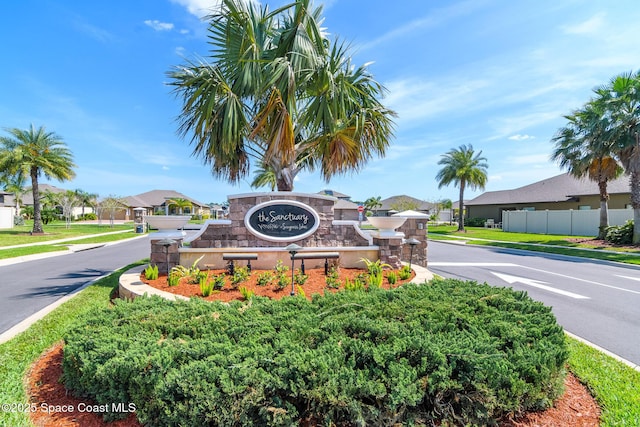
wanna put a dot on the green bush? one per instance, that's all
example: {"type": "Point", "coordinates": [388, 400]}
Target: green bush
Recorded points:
{"type": "Point", "coordinates": [89, 216]}
{"type": "Point", "coordinates": [474, 222]}
{"type": "Point", "coordinates": [620, 234]}
{"type": "Point", "coordinates": [453, 351]}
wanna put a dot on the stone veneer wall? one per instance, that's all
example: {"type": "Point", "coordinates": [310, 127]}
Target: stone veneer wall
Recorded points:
{"type": "Point", "coordinates": [415, 228]}
{"type": "Point", "coordinates": [236, 235]}
{"type": "Point", "coordinates": [165, 256]}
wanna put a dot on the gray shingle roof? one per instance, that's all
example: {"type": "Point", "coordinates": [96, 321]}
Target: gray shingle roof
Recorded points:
{"type": "Point", "coordinates": [395, 200]}
{"type": "Point", "coordinates": [157, 198]}
{"type": "Point", "coordinates": [559, 188]}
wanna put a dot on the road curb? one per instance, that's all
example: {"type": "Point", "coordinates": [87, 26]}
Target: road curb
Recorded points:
{"type": "Point", "coordinates": [605, 351]}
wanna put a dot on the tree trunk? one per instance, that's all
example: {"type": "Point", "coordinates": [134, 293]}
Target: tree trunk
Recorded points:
{"type": "Point", "coordinates": [285, 178]}
{"type": "Point", "coordinates": [461, 207]}
{"type": "Point", "coordinates": [37, 214]}
{"type": "Point", "coordinates": [604, 210]}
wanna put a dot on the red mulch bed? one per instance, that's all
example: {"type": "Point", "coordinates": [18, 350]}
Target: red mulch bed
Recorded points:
{"type": "Point", "coordinates": [575, 408]}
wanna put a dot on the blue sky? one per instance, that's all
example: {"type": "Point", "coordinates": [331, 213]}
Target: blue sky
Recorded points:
{"type": "Point", "coordinates": [497, 74]}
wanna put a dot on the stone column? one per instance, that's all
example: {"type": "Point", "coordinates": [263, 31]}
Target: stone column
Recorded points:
{"type": "Point", "coordinates": [415, 228]}
{"type": "Point", "coordinates": [165, 256]}
{"type": "Point", "coordinates": [390, 250]}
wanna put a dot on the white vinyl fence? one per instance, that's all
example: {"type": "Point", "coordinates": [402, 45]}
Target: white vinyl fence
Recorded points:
{"type": "Point", "coordinates": [568, 222]}
{"type": "Point", "coordinates": [6, 217]}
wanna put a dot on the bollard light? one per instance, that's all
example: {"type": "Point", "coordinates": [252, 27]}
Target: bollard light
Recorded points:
{"type": "Point", "coordinates": [293, 249]}
{"type": "Point", "coordinates": [165, 243]}
{"type": "Point", "coordinates": [412, 243]}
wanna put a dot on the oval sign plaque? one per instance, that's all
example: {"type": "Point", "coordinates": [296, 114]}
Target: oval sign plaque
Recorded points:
{"type": "Point", "coordinates": [282, 220]}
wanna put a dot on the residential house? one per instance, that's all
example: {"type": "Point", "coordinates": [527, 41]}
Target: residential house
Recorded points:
{"type": "Point", "coordinates": [401, 203]}
{"type": "Point", "coordinates": [561, 192]}
{"type": "Point", "coordinates": [159, 202]}
{"type": "Point", "coordinates": [27, 199]}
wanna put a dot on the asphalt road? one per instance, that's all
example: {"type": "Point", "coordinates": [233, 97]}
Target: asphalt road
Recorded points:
{"type": "Point", "coordinates": [597, 301]}
{"type": "Point", "coordinates": [27, 287]}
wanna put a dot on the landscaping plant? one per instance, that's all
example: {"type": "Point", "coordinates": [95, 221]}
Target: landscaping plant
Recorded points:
{"type": "Point", "coordinates": [264, 278]}
{"type": "Point", "coordinates": [206, 286]}
{"type": "Point", "coordinates": [151, 272]}
{"type": "Point", "coordinates": [453, 353]}
{"type": "Point", "coordinates": [240, 275]}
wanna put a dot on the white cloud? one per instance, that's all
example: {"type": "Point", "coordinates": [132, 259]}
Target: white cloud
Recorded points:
{"type": "Point", "coordinates": [95, 32]}
{"type": "Point", "coordinates": [159, 26]}
{"type": "Point", "coordinates": [519, 137]}
{"type": "Point", "coordinates": [199, 8]}
{"type": "Point", "coordinates": [416, 100]}
{"type": "Point", "coordinates": [435, 19]}
{"type": "Point", "coordinates": [591, 26]}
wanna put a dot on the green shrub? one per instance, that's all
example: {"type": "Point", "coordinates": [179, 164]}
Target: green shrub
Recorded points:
{"type": "Point", "coordinates": [173, 279]}
{"type": "Point", "coordinates": [404, 273]}
{"type": "Point", "coordinates": [218, 282]}
{"type": "Point", "coordinates": [282, 277]}
{"type": "Point", "coordinates": [333, 278]}
{"type": "Point", "coordinates": [356, 284]}
{"type": "Point", "coordinates": [264, 278]}
{"type": "Point", "coordinates": [451, 352]}
{"type": "Point", "coordinates": [89, 216]}
{"type": "Point", "coordinates": [299, 278]}
{"type": "Point", "coordinates": [246, 293]}
{"type": "Point", "coordinates": [206, 286]}
{"type": "Point", "coordinates": [474, 222]}
{"type": "Point", "coordinates": [620, 234]}
{"type": "Point", "coordinates": [240, 275]}
{"type": "Point", "coordinates": [392, 277]}
{"type": "Point", "coordinates": [151, 272]}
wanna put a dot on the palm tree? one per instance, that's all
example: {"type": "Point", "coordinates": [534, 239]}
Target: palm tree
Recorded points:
{"type": "Point", "coordinates": [373, 203]}
{"type": "Point", "coordinates": [86, 199]}
{"type": "Point", "coordinates": [281, 94]}
{"type": "Point", "coordinates": [622, 97]}
{"type": "Point", "coordinates": [264, 176]}
{"type": "Point", "coordinates": [15, 184]}
{"type": "Point", "coordinates": [464, 168]}
{"type": "Point", "coordinates": [36, 152]}
{"type": "Point", "coordinates": [448, 205]}
{"type": "Point", "coordinates": [584, 148]}
{"type": "Point", "coordinates": [179, 203]}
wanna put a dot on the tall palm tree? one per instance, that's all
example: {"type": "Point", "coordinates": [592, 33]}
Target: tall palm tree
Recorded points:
{"type": "Point", "coordinates": [584, 147]}
{"type": "Point", "coordinates": [464, 168]}
{"type": "Point", "coordinates": [622, 96]}
{"type": "Point", "coordinates": [36, 152]}
{"type": "Point", "coordinates": [281, 94]}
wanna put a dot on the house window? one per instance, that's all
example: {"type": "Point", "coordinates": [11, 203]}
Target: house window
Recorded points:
{"type": "Point", "coordinates": [1, 198]}
{"type": "Point", "coordinates": [584, 208]}
{"type": "Point", "coordinates": [529, 208]}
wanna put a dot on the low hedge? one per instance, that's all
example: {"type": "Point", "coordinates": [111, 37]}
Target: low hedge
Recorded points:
{"type": "Point", "coordinates": [454, 351]}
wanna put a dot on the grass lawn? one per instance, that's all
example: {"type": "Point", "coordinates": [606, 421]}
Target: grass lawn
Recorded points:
{"type": "Point", "coordinates": [615, 386]}
{"type": "Point", "coordinates": [555, 244]}
{"type": "Point", "coordinates": [21, 234]}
